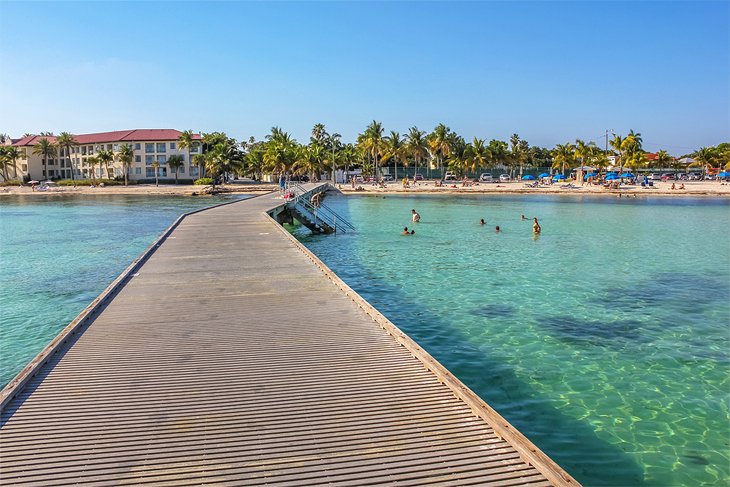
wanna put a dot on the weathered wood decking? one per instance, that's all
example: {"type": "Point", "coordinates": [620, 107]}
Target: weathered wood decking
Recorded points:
{"type": "Point", "coordinates": [230, 358]}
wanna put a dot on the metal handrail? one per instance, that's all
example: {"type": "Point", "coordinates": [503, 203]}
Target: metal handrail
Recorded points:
{"type": "Point", "coordinates": [336, 216]}
{"type": "Point", "coordinates": [322, 212]}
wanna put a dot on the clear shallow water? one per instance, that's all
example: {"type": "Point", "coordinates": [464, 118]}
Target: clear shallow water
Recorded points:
{"type": "Point", "coordinates": [58, 253]}
{"type": "Point", "coordinates": [606, 340]}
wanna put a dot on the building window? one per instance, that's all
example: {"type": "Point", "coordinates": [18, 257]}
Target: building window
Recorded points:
{"type": "Point", "coordinates": [137, 158]}
{"type": "Point", "coordinates": [148, 160]}
{"type": "Point", "coordinates": [194, 171]}
{"type": "Point", "coordinates": [149, 148]}
{"type": "Point", "coordinates": [150, 172]}
{"type": "Point", "coordinates": [182, 156]}
{"type": "Point", "coordinates": [181, 170]}
{"type": "Point", "coordinates": [116, 148]}
{"type": "Point", "coordinates": [172, 145]}
{"type": "Point", "coordinates": [137, 170]}
{"type": "Point", "coordinates": [194, 148]}
{"type": "Point", "coordinates": [161, 147]}
{"type": "Point", "coordinates": [137, 146]}
{"type": "Point", "coordinates": [83, 151]}
{"type": "Point", "coordinates": [163, 172]}
{"type": "Point", "coordinates": [162, 159]}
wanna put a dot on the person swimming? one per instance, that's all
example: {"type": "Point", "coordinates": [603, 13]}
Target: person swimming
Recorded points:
{"type": "Point", "coordinates": [482, 222]}
{"type": "Point", "coordinates": [405, 231]}
{"type": "Point", "coordinates": [536, 226]}
{"type": "Point", "coordinates": [415, 216]}
{"type": "Point", "coordinates": [522, 217]}
{"type": "Point", "coordinates": [413, 232]}
{"type": "Point", "coordinates": [496, 229]}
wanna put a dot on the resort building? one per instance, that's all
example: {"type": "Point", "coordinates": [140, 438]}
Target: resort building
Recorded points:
{"type": "Point", "coordinates": [148, 145]}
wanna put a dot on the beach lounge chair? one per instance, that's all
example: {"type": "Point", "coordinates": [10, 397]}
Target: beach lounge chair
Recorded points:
{"type": "Point", "coordinates": [533, 185]}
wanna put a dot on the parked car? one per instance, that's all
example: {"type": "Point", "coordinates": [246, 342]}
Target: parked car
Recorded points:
{"type": "Point", "coordinates": [693, 176]}
{"type": "Point", "coordinates": [683, 176]}
{"type": "Point", "coordinates": [486, 178]}
{"type": "Point", "coordinates": [668, 176]}
{"type": "Point", "coordinates": [504, 178]}
{"type": "Point", "coordinates": [655, 176]}
{"type": "Point", "coordinates": [359, 179]}
{"type": "Point", "coordinates": [418, 177]}
{"type": "Point", "coordinates": [387, 177]}
{"type": "Point", "coordinates": [450, 176]}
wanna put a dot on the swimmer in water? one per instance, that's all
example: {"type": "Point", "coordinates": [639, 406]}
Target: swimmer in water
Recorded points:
{"type": "Point", "coordinates": [482, 222]}
{"type": "Point", "coordinates": [405, 231]}
{"type": "Point", "coordinates": [536, 226]}
{"type": "Point", "coordinates": [523, 217]}
{"type": "Point", "coordinates": [497, 229]}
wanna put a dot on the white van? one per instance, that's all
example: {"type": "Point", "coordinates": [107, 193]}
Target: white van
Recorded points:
{"type": "Point", "coordinates": [486, 177]}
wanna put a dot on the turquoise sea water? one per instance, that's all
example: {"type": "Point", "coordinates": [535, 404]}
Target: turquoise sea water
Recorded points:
{"type": "Point", "coordinates": [57, 253]}
{"type": "Point", "coordinates": [606, 340]}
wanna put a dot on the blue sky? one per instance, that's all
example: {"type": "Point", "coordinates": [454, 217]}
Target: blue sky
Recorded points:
{"type": "Point", "coordinates": [549, 71]}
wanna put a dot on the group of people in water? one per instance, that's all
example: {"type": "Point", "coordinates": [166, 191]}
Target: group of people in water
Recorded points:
{"type": "Point", "coordinates": [416, 217]}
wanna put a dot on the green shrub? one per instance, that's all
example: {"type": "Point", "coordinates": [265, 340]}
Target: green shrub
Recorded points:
{"type": "Point", "coordinates": [11, 182]}
{"type": "Point", "coordinates": [203, 181]}
{"type": "Point", "coordinates": [89, 182]}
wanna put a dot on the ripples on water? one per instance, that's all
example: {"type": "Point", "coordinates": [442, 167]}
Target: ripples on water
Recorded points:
{"type": "Point", "coordinates": [59, 252]}
{"type": "Point", "coordinates": [606, 340]}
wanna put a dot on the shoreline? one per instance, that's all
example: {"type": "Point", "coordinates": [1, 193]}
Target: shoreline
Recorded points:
{"type": "Point", "coordinates": [661, 188]}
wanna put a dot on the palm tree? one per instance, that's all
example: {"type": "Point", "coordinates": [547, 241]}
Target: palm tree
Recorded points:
{"type": "Point", "coordinates": [319, 134]}
{"type": "Point", "coordinates": [373, 143]}
{"type": "Point", "coordinates": [309, 160]}
{"type": "Point", "coordinates": [498, 150]}
{"type": "Point", "coordinates": [417, 145]}
{"type": "Point", "coordinates": [663, 159]}
{"type": "Point", "coordinates": [175, 162]}
{"type": "Point", "coordinates": [156, 166]}
{"type": "Point", "coordinates": [224, 157]}
{"type": "Point", "coordinates": [441, 142]}
{"type": "Point", "coordinates": [280, 153]}
{"type": "Point", "coordinates": [4, 162]}
{"type": "Point", "coordinates": [126, 155]}
{"type": "Point", "coordinates": [706, 156]}
{"type": "Point", "coordinates": [92, 162]}
{"type": "Point", "coordinates": [584, 151]}
{"type": "Point", "coordinates": [617, 142]}
{"type": "Point", "coordinates": [11, 155]}
{"type": "Point", "coordinates": [395, 149]}
{"type": "Point", "coordinates": [479, 155]}
{"type": "Point", "coordinates": [66, 141]}
{"type": "Point", "coordinates": [105, 157]}
{"type": "Point", "coordinates": [519, 152]}
{"type": "Point", "coordinates": [186, 140]}
{"type": "Point", "coordinates": [563, 154]}
{"type": "Point", "coordinates": [46, 149]}
{"type": "Point", "coordinates": [199, 160]}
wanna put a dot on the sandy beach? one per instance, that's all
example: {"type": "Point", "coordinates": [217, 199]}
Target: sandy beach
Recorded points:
{"type": "Point", "coordinates": [663, 188]}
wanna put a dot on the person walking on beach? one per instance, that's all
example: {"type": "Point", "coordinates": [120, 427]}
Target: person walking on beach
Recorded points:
{"type": "Point", "coordinates": [536, 226]}
{"type": "Point", "coordinates": [415, 217]}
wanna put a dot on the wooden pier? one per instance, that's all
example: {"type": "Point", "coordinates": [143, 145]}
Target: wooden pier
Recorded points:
{"type": "Point", "coordinates": [228, 354]}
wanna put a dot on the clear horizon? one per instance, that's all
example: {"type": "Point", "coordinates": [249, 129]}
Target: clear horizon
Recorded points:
{"type": "Point", "coordinates": [549, 71]}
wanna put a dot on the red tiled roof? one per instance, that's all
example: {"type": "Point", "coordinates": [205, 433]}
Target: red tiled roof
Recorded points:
{"type": "Point", "coordinates": [137, 135]}
{"type": "Point", "coordinates": [650, 156]}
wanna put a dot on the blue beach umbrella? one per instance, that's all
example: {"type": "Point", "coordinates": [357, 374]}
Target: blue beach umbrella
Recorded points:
{"type": "Point", "coordinates": [611, 177]}
{"type": "Point", "coordinates": [528, 176]}
{"type": "Point", "coordinates": [611, 173]}
{"type": "Point", "coordinates": [724, 174]}
{"type": "Point", "coordinates": [558, 176]}
{"type": "Point", "coordinates": [627, 175]}
{"type": "Point", "coordinates": [591, 175]}
{"type": "Point", "coordinates": [544, 175]}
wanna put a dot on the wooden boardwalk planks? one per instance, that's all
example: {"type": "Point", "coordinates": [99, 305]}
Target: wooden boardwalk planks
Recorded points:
{"type": "Point", "coordinates": [229, 358]}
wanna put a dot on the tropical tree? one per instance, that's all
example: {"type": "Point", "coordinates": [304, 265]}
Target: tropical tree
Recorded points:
{"type": "Point", "coordinates": [373, 143]}
{"type": "Point", "coordinates": [499, 152]}
{"type": "Point", "coordinates": [309, 160]}
{"type": "Point", "coordinates": [706, 156]}
{"type": "Point", "coordinates": [4, 163]}
{"type": "Point", "coordinates": [46, 149]}
{"type": "Point", "coordinates": [10, 156]}
{"type": "Point", "coordinates": [636, 160]}
{"type": "Point", "coordinates": [440, 143]}
{"type": "Point", "coordinates": [66, 141]}
{"type": "Point", "coordinates": [105, 157]}
{"type": "Point", "coordinates": [617, 143]}
{"type": "Point", "coordinates": [126, 156]}
{"type": "Point", "coordinates": [563, 154]}
{"type": "Point", "coordinates": [479, 155]}
{"type": "Point", "coordinates": [417, 146]}
{"type": "Point", "coordinates": [396, 149]}
{"type": "Point", "coordinates": [199, 160]}
{"type": "Point", "coordinates": [254, 158]}
{"type": "Point", "coordinates": [175, 162]}
{"type": "Point", "coordinates": [584, 151]}
{"type": "Point", "coordinates": [92, 162]}
{"type": "Point", "coordinates": [156, 166]}
{"type": "Point", "coordinates": [281, 152]}
{"type": "Point", "coordinates": [187, 140]}
{"type": "Point", "coordinates": [224, 157]}
{"type": "Point", "coordinates": [519, 153]}
{"type": "Point", "coordinates": [459, 155]}
{"type": "Point", "coordinates": [663, 159]}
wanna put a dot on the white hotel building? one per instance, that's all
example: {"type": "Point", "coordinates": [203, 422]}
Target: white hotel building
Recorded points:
{"type": "Point", "coordinates": [149, 145]}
